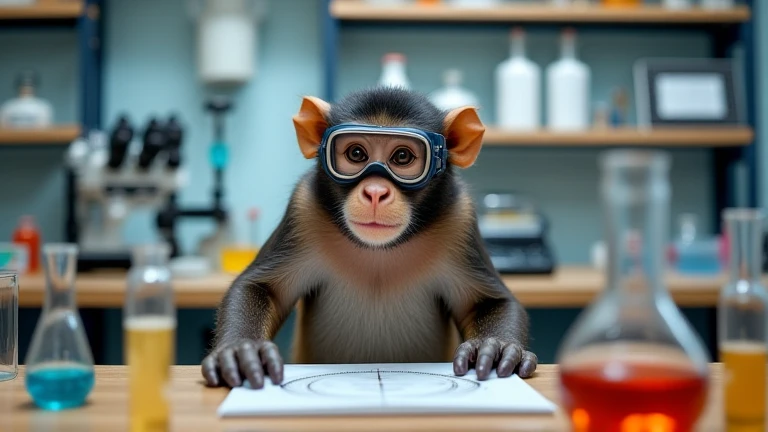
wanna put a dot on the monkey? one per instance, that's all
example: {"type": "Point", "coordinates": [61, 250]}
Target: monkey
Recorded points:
{"type": "Point", "coordinates": [378, 251]}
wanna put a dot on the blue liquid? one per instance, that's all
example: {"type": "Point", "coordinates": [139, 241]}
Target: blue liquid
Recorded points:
{"type": "Point", "coordinates": [60, 388]}
{"type": "Point", "coordinates": [698, 264]}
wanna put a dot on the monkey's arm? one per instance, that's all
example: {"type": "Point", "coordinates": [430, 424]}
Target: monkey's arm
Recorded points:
{"type": "Point", "coordinates": [249, 316]}
{"type": "Point", "coordinates": [494, 326]}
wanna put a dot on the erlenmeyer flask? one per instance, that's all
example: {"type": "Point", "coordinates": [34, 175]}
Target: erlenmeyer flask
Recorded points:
{"type": "Point", "coordinates": [59, 361]}
{"type": "Point", "coordinates": [632, 361]}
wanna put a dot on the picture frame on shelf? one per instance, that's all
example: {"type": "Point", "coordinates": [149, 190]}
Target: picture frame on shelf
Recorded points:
{"type": "Point", "coordinates": [685, 92]}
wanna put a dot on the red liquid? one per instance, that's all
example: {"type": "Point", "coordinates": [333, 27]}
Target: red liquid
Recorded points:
{"type": "Point", "coordinates": [641, 398]}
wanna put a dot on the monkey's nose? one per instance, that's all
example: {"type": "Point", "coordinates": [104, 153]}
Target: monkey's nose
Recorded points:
{"type": "Point", "coordinates": [376, 194]}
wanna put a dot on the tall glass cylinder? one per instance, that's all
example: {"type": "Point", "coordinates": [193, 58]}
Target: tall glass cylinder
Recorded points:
{"type": "Point", "coordinates": [743, 316]}
{"type": "Point", "coordinates": [149, 323]}
{"type": "Point", "coordinates": [632, 361]}
{"type": "Point", "coordinates": [9, 325]}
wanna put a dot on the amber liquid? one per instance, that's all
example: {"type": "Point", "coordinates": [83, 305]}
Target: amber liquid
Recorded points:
{"type": "Point", "coordinates": [633, 397]}
{"type": "Point", "coordinates": [744, 385]}
{"type": "Point", "coordinates": [150, 353]}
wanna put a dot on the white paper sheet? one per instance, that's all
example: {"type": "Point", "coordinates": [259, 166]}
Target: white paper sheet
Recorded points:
{"type": "Point", "coordinates": [429, 388]}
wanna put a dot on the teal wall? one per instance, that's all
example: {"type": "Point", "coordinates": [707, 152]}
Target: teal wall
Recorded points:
{"type": "Point", "coordinates": [150, 70]}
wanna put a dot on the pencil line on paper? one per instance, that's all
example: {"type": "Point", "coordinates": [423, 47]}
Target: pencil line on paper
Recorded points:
{"type": "Point", "coordinates": [381, 384]}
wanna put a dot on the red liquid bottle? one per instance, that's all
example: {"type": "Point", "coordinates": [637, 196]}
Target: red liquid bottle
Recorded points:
{"type": "Point", "coordinates": [631, 362]}
{"type": "Point", "coordinates": [27, 235]}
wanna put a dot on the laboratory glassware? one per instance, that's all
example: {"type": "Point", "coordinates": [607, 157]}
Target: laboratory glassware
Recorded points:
{"type": "Point", "coordinates": [568, 88]}
{"type": "Point", "coordinates": [149, 327]}
{"type": "Point", "coordinates": [632, 361]}
{"type": "Point", "coordinates": [26, 110]}
{"type": "Point", "coordinates": [59, 362]}
{"type": "Point", "coordinates": [9, 325]}
{"type": "Point", "coordinates": [393, 71]}
{"type": "Point", "coordinates": [518, 88]}
{"type": "Point", "coordinates": [742, 320]}
{"type": "Point", "coordinates": [453, 95]}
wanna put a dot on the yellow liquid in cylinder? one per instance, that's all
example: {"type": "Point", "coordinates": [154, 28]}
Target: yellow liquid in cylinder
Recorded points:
{"type": "Point", "coordinates": [744, 384]}
{"type": "Point", "coordinates": [149, 347]}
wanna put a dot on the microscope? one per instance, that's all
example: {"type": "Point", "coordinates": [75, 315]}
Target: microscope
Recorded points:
{"type": "Point", "coordinates": [118, 173]}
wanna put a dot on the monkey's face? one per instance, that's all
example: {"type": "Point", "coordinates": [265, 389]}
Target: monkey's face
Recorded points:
{"type": "Point", "coordinates": [376, 212]}
{"type": "Point", "coordinates": [385, 186]}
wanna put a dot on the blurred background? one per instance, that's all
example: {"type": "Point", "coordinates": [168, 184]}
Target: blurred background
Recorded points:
{"type": "Point", "coordinates": [125, 122]}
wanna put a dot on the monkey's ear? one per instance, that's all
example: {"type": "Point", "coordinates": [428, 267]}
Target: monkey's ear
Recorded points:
{"type": "Point", "coordinates": [463, 132]}
{"type": "Point", "coordinates": [310, 124]}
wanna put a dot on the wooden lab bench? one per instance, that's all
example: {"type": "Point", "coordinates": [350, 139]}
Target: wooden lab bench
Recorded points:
{"type": "Point", "coordinates": [194, 409]}
{"type": "Point", "coordinates": [568, 287]}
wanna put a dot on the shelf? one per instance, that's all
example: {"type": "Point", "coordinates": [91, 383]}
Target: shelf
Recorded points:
{"type": "Point", "coordinates": [568, 287]}
{"type": "Point", "coordinates": [50, 10]}
{"type": "Point", "coordinates": [666, 137]}
{"type": "Point", "coordinates": [357, 10]}
{"type": "Point", "coordinates": [61, 134]}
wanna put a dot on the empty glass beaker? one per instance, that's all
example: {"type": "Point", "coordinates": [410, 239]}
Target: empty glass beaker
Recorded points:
{"type": "Point", "coordinates": [742, 319]}
{"type": "Point", "coordinates": [632, 361]}
{"type": "Point", "coordinates": [9, 325]}
{"type": "Point", "coordinates": [59, 361]}
{"type": "Point", "coordinates": [149, 326]}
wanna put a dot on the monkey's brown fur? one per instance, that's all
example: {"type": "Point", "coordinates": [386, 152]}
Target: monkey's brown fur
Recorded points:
{"type": "Point", "coordinates": [412, 298]}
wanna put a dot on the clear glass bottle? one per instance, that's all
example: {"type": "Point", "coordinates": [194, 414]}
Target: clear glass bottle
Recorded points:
{"type": "Point", "coordinates": [742, 321]}
{"type": "Point", "coordinates": [59, 363]}
{"type": "Point", "coordinates": [632, 361]}
{"type": "Point", "coordinates": [26, 110]}
{"type": "Point", "coordinates": [149, 325]}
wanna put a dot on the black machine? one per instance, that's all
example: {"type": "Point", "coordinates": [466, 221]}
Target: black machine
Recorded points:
{"type": "Point", "coordinates": [128, 171]}
{"type": "Point", "coordinates": [515, 235]}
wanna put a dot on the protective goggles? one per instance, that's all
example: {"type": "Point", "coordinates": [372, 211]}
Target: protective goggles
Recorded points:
{"type": "Point", "coordinates": [410, 157]}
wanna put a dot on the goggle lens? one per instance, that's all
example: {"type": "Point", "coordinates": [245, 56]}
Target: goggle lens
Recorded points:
{"type": "Point", "coordinates": [406, 156]}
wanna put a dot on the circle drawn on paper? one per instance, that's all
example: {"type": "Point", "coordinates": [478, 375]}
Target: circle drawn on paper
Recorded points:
{"type": "Point", "coordinates": [378, 384]}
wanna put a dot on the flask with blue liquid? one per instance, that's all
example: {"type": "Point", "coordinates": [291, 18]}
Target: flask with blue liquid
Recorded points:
{"type": "Point", "coordinates": [59, 361]}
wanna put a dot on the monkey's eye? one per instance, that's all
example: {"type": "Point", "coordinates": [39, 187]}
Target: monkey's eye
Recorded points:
{"type": "Point", "coordinates": [356, 154]}
{"type": "Point", "coordinates": [402, 156]}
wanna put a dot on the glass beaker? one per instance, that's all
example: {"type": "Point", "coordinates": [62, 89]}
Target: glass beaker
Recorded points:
{"type": "Point", "coordinates": [9, 325]}
{"type": "Point", "coordinates": [742, 320]}
{"type": "Point", "coordinates": [59, 361]}
{"type": "Point", "coordinates": [149, 326]}
{"type": "Point", "coordinates": [632, 361]}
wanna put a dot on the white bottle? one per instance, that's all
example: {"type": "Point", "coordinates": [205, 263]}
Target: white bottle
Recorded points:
{"type": "Point", "coordinates": [716, 4]}
{"type": "Point", "coordinates": [452, 94]}
{"type": "Point", "coordinates": [518, 88]}
{"type": "Point", "coordinates": [26, 111]}
{"type": "Point", "coordinates": [677, 4]}
{"type": "Point", "coordinates": [568, 82]}
{"type": "Point", "coordinates": [474, 3]}
{"type": "Point", "coordinates": [393, 71]}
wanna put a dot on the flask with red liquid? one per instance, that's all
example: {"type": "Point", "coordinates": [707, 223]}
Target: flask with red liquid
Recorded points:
{"type": "Point", "coordinates": [28, 236]}
{"type": "Point", "coordinates": [632, 362]}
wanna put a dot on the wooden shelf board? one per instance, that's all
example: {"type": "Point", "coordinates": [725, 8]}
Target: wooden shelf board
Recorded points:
{"type": "Point", "coordinates": [683, 137]}
{"type": "Point", "coordinates": [568, 287]}
{"type": "Point", "coordinates": [357, 10]}
{"type": "Point", "coordinates": [43, 11]}
{"type": "Point", "coordinates": [61, 134]}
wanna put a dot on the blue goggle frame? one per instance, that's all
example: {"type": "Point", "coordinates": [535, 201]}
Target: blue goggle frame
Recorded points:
{"type": "Point", "coordinates": [437, 154]}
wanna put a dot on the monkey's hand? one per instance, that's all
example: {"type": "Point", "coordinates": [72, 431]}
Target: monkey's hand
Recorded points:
{"type": "Point", "coordinates": [486, 353]}
{"type": "Point", "coordinates": [245, 358]}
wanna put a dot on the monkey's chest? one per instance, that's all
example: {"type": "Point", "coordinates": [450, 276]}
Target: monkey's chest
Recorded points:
{"type": "Point", "coordinates": [341, 324]}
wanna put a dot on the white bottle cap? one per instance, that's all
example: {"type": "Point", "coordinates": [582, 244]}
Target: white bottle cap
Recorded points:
{"type": "Point", "coordinates": [393, 58]}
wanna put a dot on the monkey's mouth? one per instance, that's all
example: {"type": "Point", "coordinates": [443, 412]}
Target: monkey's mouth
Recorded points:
{"type": "Point", "coordinates": [374, 225]}
{"type": "Point", "coordinates": [375, 234]}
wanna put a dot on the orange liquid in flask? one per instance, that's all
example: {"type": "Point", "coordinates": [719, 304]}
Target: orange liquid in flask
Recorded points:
{"type": "Point", "coordinates": [636, 397]}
